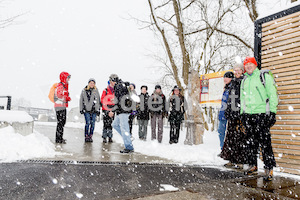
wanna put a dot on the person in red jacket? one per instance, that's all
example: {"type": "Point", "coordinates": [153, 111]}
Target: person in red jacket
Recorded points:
{"type": "Point", "coordinates": [61, 99]}
{"type": "Point", "coordinates": [107, 101]}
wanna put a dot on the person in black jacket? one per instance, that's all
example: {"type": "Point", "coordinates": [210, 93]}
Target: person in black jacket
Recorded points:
{"type": "Point", "coordinates": [234, 144]}
{"type": "Point", "coordinates": [176, 115]}
{"type": "Point", "coordinates": [143, 113]}
{"type": "Point", "coordinates": [122, 109]}
{"type": "Point", "coordinates": [157, 108]}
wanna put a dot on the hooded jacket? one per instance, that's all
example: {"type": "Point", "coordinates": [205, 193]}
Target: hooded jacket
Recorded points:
{"type": "Point", "coordinates": [62, 93]}
{"type": "Point", "coordinates": [254, 95]}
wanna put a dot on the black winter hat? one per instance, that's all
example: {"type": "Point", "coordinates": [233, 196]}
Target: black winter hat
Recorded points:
{"type": "Point", "coordinates": [144, 86]}
{"type": "Point", "coordinates": [176, 87]}
{"type": "Point", "coordinates": [157, 87]}
{"type": "Point", "coordinates": [133, 85]}
{"type": "Point", "coordinates": [229, 75]}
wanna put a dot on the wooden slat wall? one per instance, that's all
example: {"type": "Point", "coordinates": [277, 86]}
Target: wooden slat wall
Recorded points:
{"type": "Point", "coordinates": [281, 54]}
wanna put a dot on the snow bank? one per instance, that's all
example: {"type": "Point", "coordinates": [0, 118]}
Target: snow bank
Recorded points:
{"type": "Point", "coordinates": [203, 154]}
{"type": "Point", "coordinates": [11, 116]}
{"type": "Point", "coordinates": [14, 146]}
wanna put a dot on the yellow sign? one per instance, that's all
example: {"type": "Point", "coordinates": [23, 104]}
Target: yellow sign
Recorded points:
{"type": "Point", "coordinates": [211, 88]}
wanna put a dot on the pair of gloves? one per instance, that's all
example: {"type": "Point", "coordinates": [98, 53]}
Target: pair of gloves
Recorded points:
{"type": "Point", "coordinates": [269, 121]}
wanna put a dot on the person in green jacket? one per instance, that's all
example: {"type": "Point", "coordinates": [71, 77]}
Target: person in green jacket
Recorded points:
{"type": "Point", "coordinates": [258, 114]}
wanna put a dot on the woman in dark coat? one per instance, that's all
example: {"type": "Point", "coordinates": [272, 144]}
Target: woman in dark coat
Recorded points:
{"type": "Point", "coordinates": [176, 115]}
{"type": "Point", "coordinates": [234, 148]}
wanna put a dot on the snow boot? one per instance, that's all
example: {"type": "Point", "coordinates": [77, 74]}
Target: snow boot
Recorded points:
{"type": "Point", "coordinates": [126, 151]}
{"type": "Point", "coordinates": [104, 140]}
{"type": "Point", "coordinates": [63, 141]}
{"type": "Point", "coordinates": [252, 170]}
{"type": "Point", "coordinates": [110, 140]}
{"type": "Point", "coordinates": [269, 175]}
{"type": "Point", "coordinates": [229, 165]}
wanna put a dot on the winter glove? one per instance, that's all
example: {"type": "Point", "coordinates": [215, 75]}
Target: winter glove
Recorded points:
{"type": "Point", "coordinates": [271, 119]}
{"type": "Point", "coordinates": [98, 113]}
{"type": "Point", "coordinates": [68, 98]}
{"type": "Point", "coordinates": [134, 112]}
{"type": "Point", "coordinates": [82, 112]}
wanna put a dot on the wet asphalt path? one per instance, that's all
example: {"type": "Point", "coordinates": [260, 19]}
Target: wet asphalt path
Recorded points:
{"type": "Point", "coordinates": [99, 171]}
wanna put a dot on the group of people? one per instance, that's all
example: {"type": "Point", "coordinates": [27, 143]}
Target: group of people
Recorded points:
{"type": "Point", "coordinates": [120, 104]}
{"type": "Point", "coordinates": [248, 111]}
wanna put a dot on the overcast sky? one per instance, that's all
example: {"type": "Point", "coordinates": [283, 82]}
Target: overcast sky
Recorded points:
{"type": "Point", "coordinates": [85, 38]}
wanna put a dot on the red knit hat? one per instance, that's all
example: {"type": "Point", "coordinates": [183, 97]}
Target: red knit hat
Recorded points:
{"type": "Point", "coordinates": [250, 60]}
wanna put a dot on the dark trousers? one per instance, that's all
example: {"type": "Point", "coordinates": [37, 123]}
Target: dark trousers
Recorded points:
{"type": "Point", "coordinates": [174, 131]}
{"type": "Point", "coordinates": [258, 135]}
{"type": "Point", "coordinates": [107, 125]}
{"type": "Point", "coordinates": [90, 119]}
{"type": "Point", "coordinates": [61, 116]}
{"type": "Point", "coordinates": [130, 121]}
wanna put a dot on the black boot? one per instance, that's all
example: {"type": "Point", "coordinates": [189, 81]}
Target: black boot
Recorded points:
{"type": "Point", "coordinates": [110, 140]}
{"type": "Point", "coordinates": [126, 151]}
{"type": "Point", "coordinates": [62, 141]}
{"type": "Point", "coordinates": [104, 140]}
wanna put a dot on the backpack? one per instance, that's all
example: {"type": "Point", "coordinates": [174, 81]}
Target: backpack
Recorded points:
{"type": "Point", "coordinates": [263, 81]}
{"type": "Point", "coordinates": [52, 97]}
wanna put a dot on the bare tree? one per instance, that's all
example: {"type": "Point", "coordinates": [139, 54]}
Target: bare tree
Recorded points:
{"type": "Point", "coordinates": [7, 21]}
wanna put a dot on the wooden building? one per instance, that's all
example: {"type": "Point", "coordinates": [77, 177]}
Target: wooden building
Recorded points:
{"type": "Point", "coordinates": [277, 47]}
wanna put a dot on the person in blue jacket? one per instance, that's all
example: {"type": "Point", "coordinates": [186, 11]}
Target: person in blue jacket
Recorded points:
{"type": "Point", "coordinates": [228, 76]}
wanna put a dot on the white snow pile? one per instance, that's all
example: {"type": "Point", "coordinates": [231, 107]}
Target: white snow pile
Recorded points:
{"type": "Point", "coordinates": [15, 116]}
{"type": "Point", "coordinates": [166, 187]}
{"type": "Point", "coordinates": [14, 146]}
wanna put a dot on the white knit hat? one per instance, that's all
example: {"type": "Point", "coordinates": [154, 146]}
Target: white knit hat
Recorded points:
{"type": "Point", "coordinates": [239, 65]}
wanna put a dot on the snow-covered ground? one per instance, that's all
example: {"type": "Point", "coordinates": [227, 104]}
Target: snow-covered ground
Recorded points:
{"type": "Point", "coordinates": [14, 146]}
{"type": "Point", "coordinates": [37, 145]}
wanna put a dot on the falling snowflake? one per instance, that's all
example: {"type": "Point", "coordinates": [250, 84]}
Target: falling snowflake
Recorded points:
{"type": "Point", "coordinates": [54, 181]}
{"type": "Point", "coordinates": [291, 108]}
{"type": "Point", "coordinates": [280, 54]}
{"type": "Point", "coordinates": [79, 195]}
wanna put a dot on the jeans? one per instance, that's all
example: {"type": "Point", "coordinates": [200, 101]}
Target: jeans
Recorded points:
{"type": "Point", "coordinates": [221, 131]}
{"type": "Point", "coordinates": [61, 116]}
{"type": "Point", "coordinates": [143, 124]}
{"type": "Point", "coordinates": [107, 127]}
{"type": "Point", "coordinates": [120, 124]}
{"type": "Point", "coordinates": [90, 119]}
